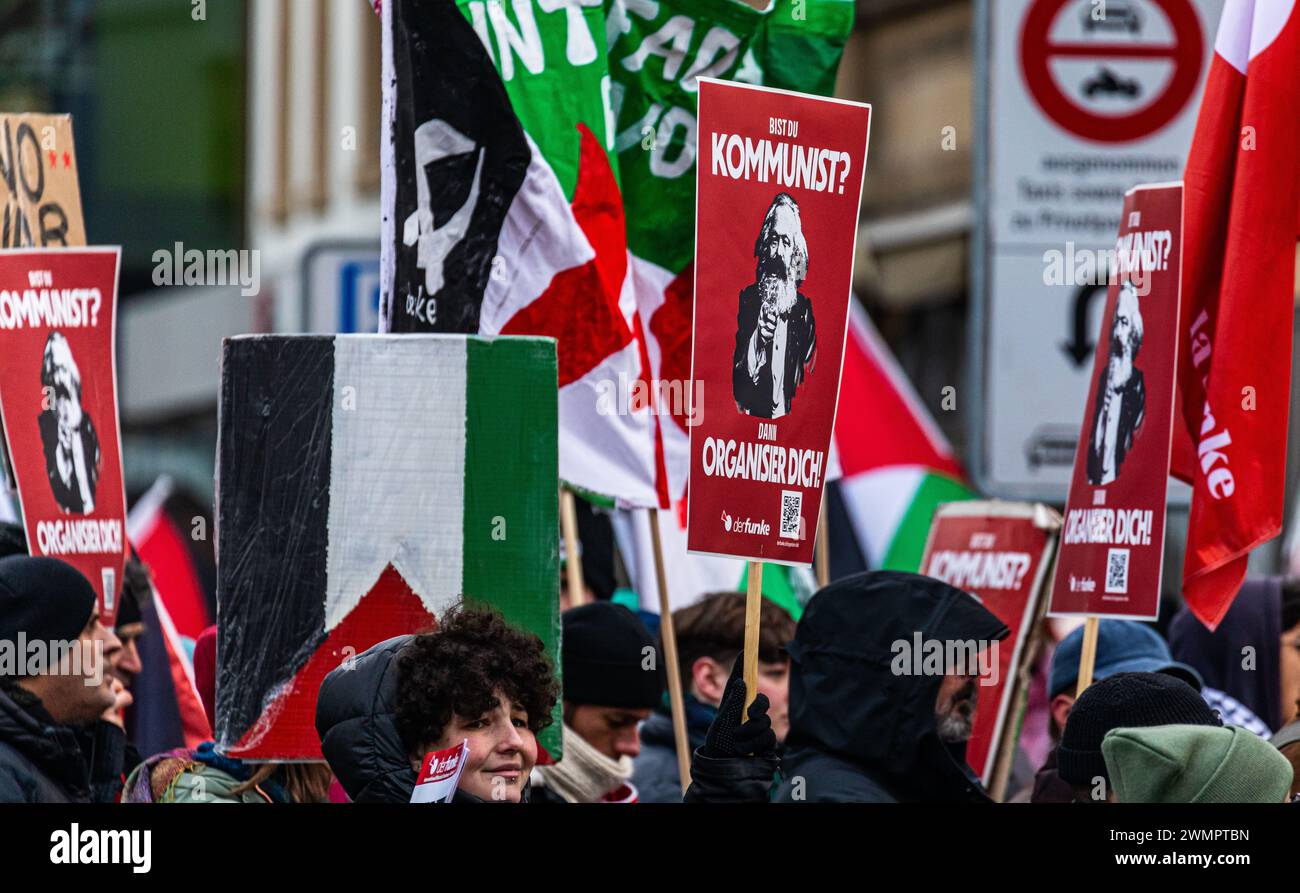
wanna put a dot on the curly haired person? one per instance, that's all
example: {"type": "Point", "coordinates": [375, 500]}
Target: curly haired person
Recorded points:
{"type": "Point", "coordinates": [475, 678]}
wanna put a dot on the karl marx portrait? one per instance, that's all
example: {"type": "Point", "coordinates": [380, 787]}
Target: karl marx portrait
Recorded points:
{"type": "Point", "coordinates": [1121, 393]}
{"type": "Point", "coordinates": [776, 337]}
{"type": "Point", "coordinates": [72, 458]}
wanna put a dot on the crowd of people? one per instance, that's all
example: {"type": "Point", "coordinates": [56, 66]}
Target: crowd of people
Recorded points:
{"type": "Point", "coordinates": [1198, 717]}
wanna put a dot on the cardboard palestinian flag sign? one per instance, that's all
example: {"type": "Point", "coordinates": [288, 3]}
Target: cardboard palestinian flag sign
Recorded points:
{"type": "Point", "coordinates": [1113, 540]}
{"type": "Point", "coordinates": [365, 484]}
{"type": "Point", "coordinates": [40, 199]}
{"type": "Point", "coordinates": [502, 213]}
{"type": "Point", "coordinates": [58, 406]}
{"type": "Point", "coordinates": [780, 180]}
{"type": "Point", "coordinates": [1000, 552]}
{"type": "Point", "coordinates": [657, 53]}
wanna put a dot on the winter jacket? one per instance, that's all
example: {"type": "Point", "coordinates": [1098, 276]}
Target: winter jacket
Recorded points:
{"type": "Point", "coordinates": [1255, 619]}
{"type": "Point", "coordinates": [198, 776]}
{"type": "Point", "coordinates": [859, 732]}
{"type": "Point", "coordinates": [654, 771]}
{"type": "Point", "coordinates": [746, 779]}
{"type": "Point", "coordinates": [1049, 787]}
{"type": "Point", "coordinates": [44, 762]}
{"type": "Point", "coordinates": [357, 724]}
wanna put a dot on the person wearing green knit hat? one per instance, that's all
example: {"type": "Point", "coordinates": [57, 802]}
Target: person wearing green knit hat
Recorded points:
{"type": "Point", "coordinates": [1195, 764]}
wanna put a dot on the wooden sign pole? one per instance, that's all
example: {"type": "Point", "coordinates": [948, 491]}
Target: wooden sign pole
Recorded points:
{"type": "Point", "coordinates": [753, 613]}
{"type": "Point", "coordinates": [1088, 656]}
{"type": "Point", "coordinates": [669, 636]}
{"type": "Point", "coordinates": [823, 554]}
{"type": "Point", "coordinates": [572, 561]}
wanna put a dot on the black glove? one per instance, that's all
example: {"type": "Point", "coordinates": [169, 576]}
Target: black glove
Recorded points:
{"type": "Point", "coordinates": [727, 736]}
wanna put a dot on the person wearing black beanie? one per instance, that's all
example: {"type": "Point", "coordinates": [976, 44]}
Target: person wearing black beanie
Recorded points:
{"type": "Point", "coordinates": [137, 590]}
{"type": "Point", "coordinates": [57, 743]}
{"type": "Point", "coordinates": [12, 539]}
{"type": "Point", "coordinates": [128, 626]}
{"type": "Point", "coordinates": [1124, 700]}
{"type": "Point", "coordinates": [613, 678]}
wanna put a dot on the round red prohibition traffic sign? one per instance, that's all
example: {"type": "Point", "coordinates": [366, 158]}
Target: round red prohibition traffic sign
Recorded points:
{"type": "Point", "coordinates": [1037, 52]}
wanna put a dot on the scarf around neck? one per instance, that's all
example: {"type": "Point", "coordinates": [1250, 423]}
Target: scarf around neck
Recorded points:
{"type": "Point", "coordinates": [584, 775]}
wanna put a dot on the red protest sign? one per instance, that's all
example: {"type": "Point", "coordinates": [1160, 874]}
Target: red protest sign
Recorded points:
{"type": "Point", "coordinates": [999, 552]}
{"type": "Point", "coordinates": [779, 179]}
{"type": "Point", "coordinates": [1113, 538]}
{"type": "Point", "coordinates": [440, 774]}
{"type": "Point", "coordinates": [58, 407]}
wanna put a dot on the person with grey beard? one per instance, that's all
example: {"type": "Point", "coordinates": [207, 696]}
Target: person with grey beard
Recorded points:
{"type": "Point", "coordinates": [1121, 393]}
{"type": "Point", "coordinates": [866, 727]}
{"type": "Point", "coordinates": [776, 335]}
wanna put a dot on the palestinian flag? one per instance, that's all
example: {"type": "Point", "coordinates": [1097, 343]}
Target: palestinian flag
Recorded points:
{"type": "Point", "coordinates": [171, 535]}
{"type": "Point", "coordinates": [365, 484]}
{"type": "Point", "coordinates": [502, 212]}
{"type": "Point", "coordinates": [540, 179]}
{"type": "Point", "coordinates": [897, 466]}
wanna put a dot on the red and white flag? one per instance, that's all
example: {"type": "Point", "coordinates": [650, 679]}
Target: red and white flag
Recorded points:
{"type": "Point", "coordinates": [179, 601]}
{"type": "Point", "coordinates": [1234, 367]}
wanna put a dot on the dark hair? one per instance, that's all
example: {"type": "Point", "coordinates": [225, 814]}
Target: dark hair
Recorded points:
{"type": "Point", "coordinates": [1290, 603]}
{"type": "Point", "coordinates": [137, 577]}
{"type": "Point", "coordinates": [303, 782]}
{"type": "Point", "coordinates": [12, 539]}
{"type": "Point", "coordinates": [715, 627]}
{"type": "Point", "coordinates": [459, 668]}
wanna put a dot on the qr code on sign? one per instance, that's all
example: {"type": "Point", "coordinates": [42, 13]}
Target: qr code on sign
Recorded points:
{"type": "Point", "coordinates": [1117, 570]}
{"type": "Point", "coordinates": [791, 509]}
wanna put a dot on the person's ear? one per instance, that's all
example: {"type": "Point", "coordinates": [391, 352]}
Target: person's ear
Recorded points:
{"type": "Point", "coordinates": [709, 679]}
{"type": "Point", "coordinates": [1061, 706]}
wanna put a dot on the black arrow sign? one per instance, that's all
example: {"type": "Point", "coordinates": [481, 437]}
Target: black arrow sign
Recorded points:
{"type": "Point", "coordinates": [1080, 347]}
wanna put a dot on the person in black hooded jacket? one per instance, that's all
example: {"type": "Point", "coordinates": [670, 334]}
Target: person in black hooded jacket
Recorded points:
{"type": "Point", "coordinates": [1259, 694]}
{"type": "Point", "coordinates": [861, 732]}
{"type": "Point", "coordinates": [358, 731]}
